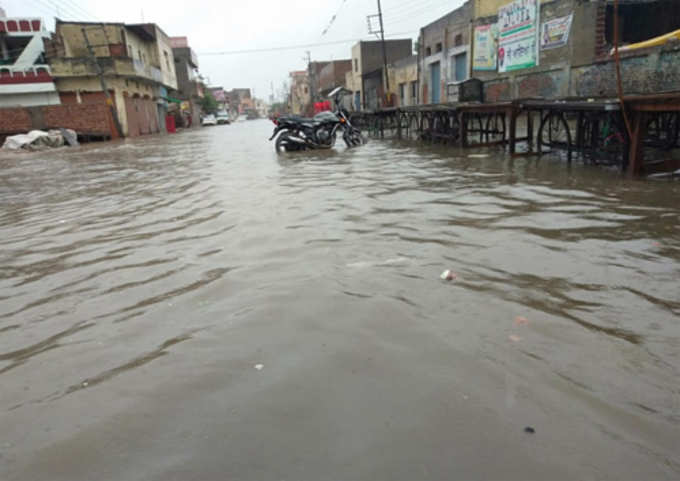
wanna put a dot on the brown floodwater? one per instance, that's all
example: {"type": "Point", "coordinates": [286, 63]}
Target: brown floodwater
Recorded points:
{"type": "Point", "coordinates": [193, 307]}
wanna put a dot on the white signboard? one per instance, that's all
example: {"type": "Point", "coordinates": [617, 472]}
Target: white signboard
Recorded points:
{"type": "Point", "coordinates": [555, 33]}
{"type": "Point", "coordinates": [485, 48]}
{"type": "Point", "coordinates": [518, 24]}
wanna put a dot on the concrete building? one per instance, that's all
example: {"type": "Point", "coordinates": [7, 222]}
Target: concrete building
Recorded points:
{"type": "Point", "coordinates": [333, 75]}
{"type": "Point", "coordinates": [404, 81]}
{"type": "Point", "coordinates": [300, 99]}
{"type": "Point", "coordinates": [367, 74]}
{"type": "Point", "coordinates": [444, 52]}
{"type": "Point", "coordinates": [314, 70]}
{"type": "Point", "coordinates": [221, 97]}
{"type": "Point", "coordinates": [566, 54]}
{"type": "Point", "coordinates": [25, 76]}
{"type": "Point", "coordinates": [240, 100]}
{"type": "Point", "coordinates": [136, 63]}
{"type": "Point", "coordinates": [573, 50]}
{"type": "Point", "coordinates": [189, 82]}
{"type": "Point", "coordinates": [261, 108]}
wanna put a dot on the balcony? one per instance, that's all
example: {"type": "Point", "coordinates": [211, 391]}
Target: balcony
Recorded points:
{"type": "Point", "coordinates": [121, 66]}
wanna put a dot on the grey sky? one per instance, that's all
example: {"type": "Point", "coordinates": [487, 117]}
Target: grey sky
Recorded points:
{"type": "Point", "coordinates": [233, 25]}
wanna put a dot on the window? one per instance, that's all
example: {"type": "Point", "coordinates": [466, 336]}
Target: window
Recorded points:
{"type": "Point", "coordinates": [356, 65]}
{"type": "Point", "coordinates": [428, 51]}
{"type": "Point", "coordinates": [642, 21]}
{"type": "Point", "coordinates": [414, 92]}
{"type": "Point", "coordinates": [439, 47]}
{"type": "Point", "coordinates": [167, 59]}
{"type": "Point", "coordinates": [459, 40]}
{"type": "Point", "coordinates": [306, 90]}
{"type": "Point", "coordinates": [402, 94]}
{"type": "Point", "coordinates": [129, 51]}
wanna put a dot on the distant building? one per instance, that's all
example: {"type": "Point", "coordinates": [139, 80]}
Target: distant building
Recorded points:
{"type": "Point", "coordinates": [220, 97]}
{"type": "Point", "coordinates": [189, 83]}
{"type": "Point", "coordinates": [262, 108]}
{"type": "Point", "coordinates": [367, 78]}
{"type": "Point", "coordinates": [445, 55]}
{"type": "Point", "coordinates": [239, 100]}
{"type": "Point", "coordinates": [25, 76]}
{"type": "Point", "coordinates": [314, 70]}
{"type": "Point", "coordinates": [333, 75]}
{"type": "Point", "coordinates": [137, 64]}
{"type": "Point", "coordinates": [404, 81]}
{"type": "Point", "coordinates": [300, 98]}
{"type": "Point", "coordinates": [551, 49]}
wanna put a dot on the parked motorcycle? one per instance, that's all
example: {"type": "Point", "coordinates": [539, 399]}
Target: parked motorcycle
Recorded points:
{"type": "Point", "coordinates": [294, 133]}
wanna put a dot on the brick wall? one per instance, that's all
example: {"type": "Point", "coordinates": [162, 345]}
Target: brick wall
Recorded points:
{"type": "Point", "coordinates": [14, 120]}
{"type": "Point", "coordinates": [600, 40]}
{"type": "Point", "coordinates": [83, 118]}
{"type": "Point", "coordinates": [89, 119]}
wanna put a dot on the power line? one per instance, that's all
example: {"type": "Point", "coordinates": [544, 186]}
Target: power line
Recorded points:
{"type": "Point", "coordinates": [406, 7]}
{"type": "Point", "coordinates": [54, 9]}
{"type": "Point", "coordinates": [333, 18]}
{"type": "Point", "coordinates": [291, 47]}
{"type": "Point", "coordinates": [81, 9]}
{"type": "Point", "coordinates": [416, 12]}
{"type": "Point", "coordinates": [420, 10]}
{"type": "Point", "coordinates": [48, 11]}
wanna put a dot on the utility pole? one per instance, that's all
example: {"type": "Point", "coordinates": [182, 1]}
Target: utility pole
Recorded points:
{"type": "Point", "coordinates": [102, 81]}
{"type": "Point", "coordinates": [384, 51]}
{"type": "Point", "coordinates": [310, 78]}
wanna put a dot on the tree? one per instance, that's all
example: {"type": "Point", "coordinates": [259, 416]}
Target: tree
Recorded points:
{"type": "Point", "coordinates": [209, 104]}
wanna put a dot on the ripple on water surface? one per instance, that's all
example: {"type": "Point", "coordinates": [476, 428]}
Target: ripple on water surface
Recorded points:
{"type": "Point", "coordinates": [140, 256]}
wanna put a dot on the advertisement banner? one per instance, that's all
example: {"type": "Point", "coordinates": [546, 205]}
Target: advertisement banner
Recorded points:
{"type": "Point", "coordinates": [555, 33]}
{"type": "Point", "coordinates": [518, 24]}
{"type": "Point", "coordinates": [485, 48]}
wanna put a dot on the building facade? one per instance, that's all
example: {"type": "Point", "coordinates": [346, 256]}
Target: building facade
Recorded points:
{"type": "Point", "coordinates": [333, 75]}
{"type": "Point", "coordinates": [445, 53]}
{"type": "Point", "coordinates": [573, 50]}
{"type": "Point", "coordinates": [367, 75]}
{"type": "Point", "coordinates": [25, 76]}
{"type": "Point", "coordinates": [404, 81]}
{"type": "Point", "coordinates": [221, 97]}
{"type": "Point", "coordinates": [135, 62]}
{"type": "Point", "coordinates": [189, 82]}
{"type": "Point", "coordinates": [240, 100]}
{"type": "Point", "coordinates": [300, 98]}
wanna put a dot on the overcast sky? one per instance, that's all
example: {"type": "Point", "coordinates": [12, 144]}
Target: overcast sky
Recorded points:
{"type": "Point", "coordinates": [234, 25]}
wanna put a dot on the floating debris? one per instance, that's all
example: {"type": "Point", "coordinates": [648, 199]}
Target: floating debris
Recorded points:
{"type": "Point", "coordinates": [478, 156]}
{"type": "Point", "coordinates": [259, 367]}
{"type": "Point", "coordinates": [514, 338]}
{"type": "Point", "coordinates": [521, 321]}
{"type": "Point", "coordinates": [448, 276]}
{"type": "Point", "coordinates": [529, 430]}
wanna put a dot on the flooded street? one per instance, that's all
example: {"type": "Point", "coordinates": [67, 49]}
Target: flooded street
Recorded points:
{"type": "Point", "coordinates": [193, 307]}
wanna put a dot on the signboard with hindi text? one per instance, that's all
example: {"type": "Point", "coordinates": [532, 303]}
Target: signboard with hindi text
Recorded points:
{"type": "Point", "coordinates": [555, 33]}
{"type": "Point", "coordinates": [518, 24]}
{"type": "Point", "coordinates": [485, 48]}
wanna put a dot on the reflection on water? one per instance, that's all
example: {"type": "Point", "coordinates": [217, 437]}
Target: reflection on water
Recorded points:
{"type": "Point", "coordinates": [128, 260]}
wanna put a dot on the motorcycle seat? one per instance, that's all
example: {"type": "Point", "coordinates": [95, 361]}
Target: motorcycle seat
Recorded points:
{"type": "Point", "coordinates": [297, 118]}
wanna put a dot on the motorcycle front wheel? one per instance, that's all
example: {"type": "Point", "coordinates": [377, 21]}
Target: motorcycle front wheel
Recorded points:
{"type": "Point", "coordinates": [354, 139]}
